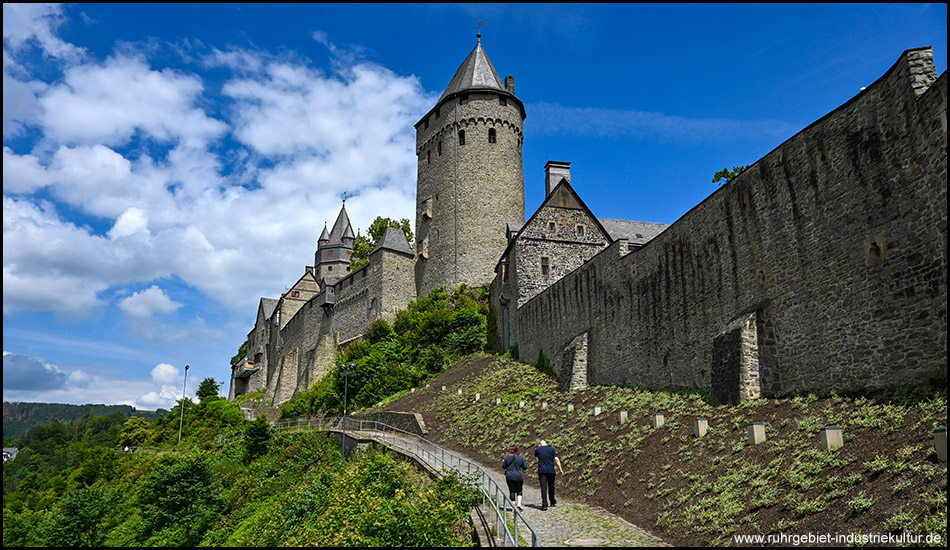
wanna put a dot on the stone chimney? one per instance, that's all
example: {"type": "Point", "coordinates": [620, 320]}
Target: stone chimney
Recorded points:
{"type": "Point", "coordinates": [554, 172]}
{"type": "Point", "coordinates": [510, 84]}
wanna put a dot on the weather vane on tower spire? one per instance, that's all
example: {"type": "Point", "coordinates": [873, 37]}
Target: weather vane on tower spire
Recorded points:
{"type": "Point", "coordinates": [478, 31]}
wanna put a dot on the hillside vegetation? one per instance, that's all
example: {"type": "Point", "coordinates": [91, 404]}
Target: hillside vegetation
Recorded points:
{"type": "Point", "coordinates": [71, 486]}
{"type": "Point", "coordinates": [20, 417]}
{"type": "Point", "coordinates": [704, 490]}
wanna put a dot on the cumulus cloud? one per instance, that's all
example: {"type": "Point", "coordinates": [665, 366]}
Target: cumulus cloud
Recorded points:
{"type": "Point", "coordinates": [25, 24]}
{"type": "Point", "coordinates": [25, 373]}
{"type": "Point", "coordinates": [164, 373]}
{"type": "Point", "coordinates": [305, 138]}
{"type": "Point", "coordinates": [108, 103]}
{"type": "Point", "coordinates": [32, 379]}
{"type": "Point", "coordinates": [145, 304]}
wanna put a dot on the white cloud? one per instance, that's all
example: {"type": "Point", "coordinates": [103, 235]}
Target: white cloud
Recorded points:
{"type": "Point", "coordinates": [24, 24]}
{"type": "Point", "coordinates": [145, 304]}
{"type": "Point", "coordinates": [109, 103]}
{"type": "Point", "coordinates": [133, 149]}
{"type": "Point", "coordinates": [132, 221]}
{"type": "Point", "coordinates": [165, 373]}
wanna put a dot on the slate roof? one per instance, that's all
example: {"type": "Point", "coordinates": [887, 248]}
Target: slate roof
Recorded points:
{"type": "Point", "coordinates": [268, 305]}
{"type": "Point", "coordinates": [394, 239]}
{"type": "Point", "coordinates": [475, 73]}
{"type": "Point", "coordinates": [341, 228]}
{"type": "Point", "coordinates": [636, 233]}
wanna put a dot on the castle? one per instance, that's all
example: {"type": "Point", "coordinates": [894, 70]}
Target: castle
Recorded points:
{"type": "Point", "coordinates": [823, 264]}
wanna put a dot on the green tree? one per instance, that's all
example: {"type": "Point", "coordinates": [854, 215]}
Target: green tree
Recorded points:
{"type": "Point", "coordinates": [257, 434]}
{"type": "Point", "coordinates": [135, 431]}
{"type": "Point", "coordinates": [179, 500]}
{"type": "Point", "coordinates": [726, 175]}
{"type": "Point", "coordinates": [76, 520]}
{"type": "Point", "coordinates": [208, 390]}
{"type": "Point", "coordinates": [241, 353]}
{"type": "Point", "coordinates": [364, 244]}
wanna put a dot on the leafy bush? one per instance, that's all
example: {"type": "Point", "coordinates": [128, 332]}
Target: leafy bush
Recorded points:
{"type": "Point", "coordinates": [433, 332]}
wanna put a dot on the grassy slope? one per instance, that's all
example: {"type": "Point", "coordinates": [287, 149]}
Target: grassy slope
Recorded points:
{"type": "Point", "coordinates": [702, 491]}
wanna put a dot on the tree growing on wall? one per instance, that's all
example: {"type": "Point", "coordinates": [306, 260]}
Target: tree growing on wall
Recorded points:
{"type": "Point", "coordinates": [726, 175]}
{"type": "Point", "coordinates": [364, 244]}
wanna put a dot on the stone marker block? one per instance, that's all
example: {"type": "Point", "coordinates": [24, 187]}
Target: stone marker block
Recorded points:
{"type": "Point", "coordinates": [478, 396]}
{"type": "Point", "coordinates": [544, 404]}
{"type": "Point", "coordinates": [570, 407]}
{"type": "Point", "coordinates": [413, 390]}
{"type": "Point", "coordinates": [756, 433]}
{"type": "Point", "coordinates": [940, 443]}
{"type": "Point", "coordinates": [623, 416]}
{"type": "Point", "coordinates": [443, 388]}
{"type": "Point", "coordinates": [521, 404]}
{"type": "Point", "coordinates": [596, 410]}
{"type": "Point", "coordinates": [460, 391]}
{"type": "Point", "coordinates": [658, 420]}
{"type": "Point", "coordinates": [498, 401]}
{"type": "Point", "coordinates": [700, 426]}
{"type": "Point", "coordinates": [831, 438]}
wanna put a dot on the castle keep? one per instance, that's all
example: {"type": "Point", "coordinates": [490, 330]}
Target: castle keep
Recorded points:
{"type": "Point", "coordinates": [823, 264]}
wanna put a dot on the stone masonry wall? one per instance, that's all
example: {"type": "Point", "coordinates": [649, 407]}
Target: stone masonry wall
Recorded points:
{"type": "Point", "coordinates": [308, 342]}
{"type": "Point", "coordinates": [836, 240]}
{"type": "Point", "coordinates": [490, 189]}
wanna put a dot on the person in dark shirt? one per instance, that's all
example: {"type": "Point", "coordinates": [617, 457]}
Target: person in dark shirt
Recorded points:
{"type": "Point", "coordinates": [514, 466]}
{"type": "Point", "coordinates": [547, 461]}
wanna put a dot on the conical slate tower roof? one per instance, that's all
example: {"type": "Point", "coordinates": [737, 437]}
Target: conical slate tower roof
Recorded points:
{"type": "Point", "coordinates": [341, 228]}
{"type": "Point", "coordinates": [476, 73]}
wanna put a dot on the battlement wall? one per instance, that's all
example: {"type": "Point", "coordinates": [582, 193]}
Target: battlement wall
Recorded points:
{"type": "Point", "coordinates": [834, 243]}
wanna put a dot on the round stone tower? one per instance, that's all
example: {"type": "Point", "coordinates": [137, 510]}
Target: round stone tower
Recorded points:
{"type": "Point", "coordinates": [470, 177]}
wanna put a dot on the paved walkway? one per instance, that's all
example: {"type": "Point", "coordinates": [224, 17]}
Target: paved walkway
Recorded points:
{"type": "Point", "coordinates": [567, 524]}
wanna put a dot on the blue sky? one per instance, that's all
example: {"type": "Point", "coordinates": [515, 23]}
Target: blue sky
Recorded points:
{"type": "Point", "coordinates": [166, 166]}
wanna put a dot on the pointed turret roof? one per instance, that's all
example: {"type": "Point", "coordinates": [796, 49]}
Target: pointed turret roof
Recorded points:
{"type": "Point", "coordinates": [476, 73]}
{"type": "Point", "coordinates": [341, 228]}
{"type": "Point", "coordinates": [324, 236]}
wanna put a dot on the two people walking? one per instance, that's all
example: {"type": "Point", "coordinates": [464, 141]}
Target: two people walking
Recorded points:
{"type": "Point", "coordinates": [548, 464]}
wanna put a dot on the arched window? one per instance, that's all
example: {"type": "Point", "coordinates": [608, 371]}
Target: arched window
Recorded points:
{"type": "Point", "coordinates": [461, 137]}
{"type": "Point", "coordinates": [491, 135]}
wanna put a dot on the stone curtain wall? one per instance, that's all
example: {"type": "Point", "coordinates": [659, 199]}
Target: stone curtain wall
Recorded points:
{"type": "Point", "coordinates": [836, 240]}
{"type": "Point", "coordinates": [309, 340]}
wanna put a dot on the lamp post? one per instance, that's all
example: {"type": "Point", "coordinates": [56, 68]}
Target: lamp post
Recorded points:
{"type": "Point", "coordinates": [346, 371]}
{"type": "Point", "coordinates": [181, 422]}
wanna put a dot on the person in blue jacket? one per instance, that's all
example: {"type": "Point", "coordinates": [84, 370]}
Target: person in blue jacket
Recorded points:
{"type": "Point", "coordinates": [514, 466]}
{"type": "Point", "coordinates": [547, 461]}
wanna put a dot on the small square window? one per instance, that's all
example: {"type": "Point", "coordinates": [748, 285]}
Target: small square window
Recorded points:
{"type": "Point", "coordinates": [502, 101]}
{"type": "Point", "coordinates": [552, 226]}
{"type": "Point", "coordinates": [580, 230]}
{"type": "Point", "coordinates": [295, 293]}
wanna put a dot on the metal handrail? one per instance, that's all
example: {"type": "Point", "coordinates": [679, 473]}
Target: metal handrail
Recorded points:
{"type": "Point", "coordinates": [495, 501]}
